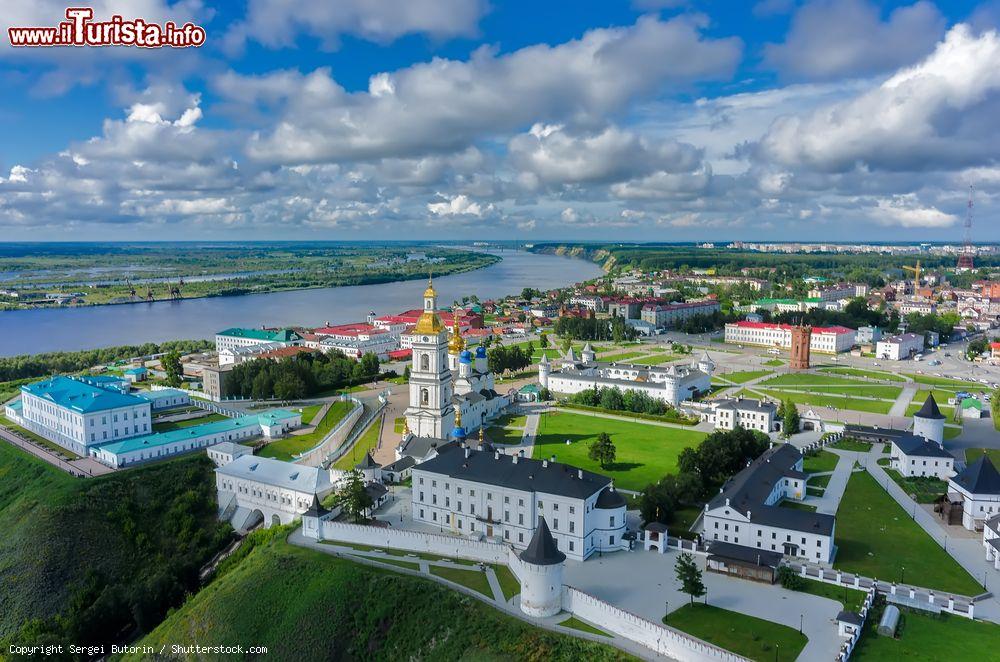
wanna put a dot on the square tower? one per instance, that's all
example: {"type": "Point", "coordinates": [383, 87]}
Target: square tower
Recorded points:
{"type": "Point", "coordinates": [801, 338]}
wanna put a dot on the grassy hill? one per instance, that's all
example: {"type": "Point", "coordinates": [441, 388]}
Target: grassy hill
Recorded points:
{"type": "Point", "coordinates": [304, 605]}
{"type": "Point", "coordinates": [87, 561]}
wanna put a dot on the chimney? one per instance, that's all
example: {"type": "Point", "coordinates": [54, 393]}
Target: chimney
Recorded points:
{"type": "Point", "coordinates": [727, 501]}
{"type": "Point", "coordinates": [748, 514]}
{"type": "Point", "coordinates": [552, 459]}
{"type": "Point", "coordinates": [521, 452]}
{"type": "Point", "coordinates": [496, 455]}
{"type": "Point", "coordinates": [579, 474]}
{"type": "Point", "coordinates": [467, 452]}
{"type": "Point", "coordinates": [545, 464]}
{"type": "Point", "coordinates": [514, 459]}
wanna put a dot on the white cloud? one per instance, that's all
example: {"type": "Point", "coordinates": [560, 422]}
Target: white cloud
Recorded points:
{"type": "Point", "coordinates": [938, 113]}
{"type": "Point", "coordinates": [446, 105]}
{"type": "Point", "coordinates": [906, 211]}
{"type": "Point", "coordinates": [459, 205]}
{"type": "Point", "coordinates": [830, 38]}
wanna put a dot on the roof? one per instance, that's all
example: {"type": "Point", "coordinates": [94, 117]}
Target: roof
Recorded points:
{"type": "Point", "coordinates": [919, 447]}
{"type": "Point", "coordinates": [80, 396]}
{"type": "Point", "coordinates": [368, 462]}
{"type": "Point", "coordinates": [929, 409]}
{"type": "Point", "coordinates": [136, 371]}
{"type": "Point", "coordinates": [316, 509]}
{"type": "Point", "coordinates": [850, 617]}
{"type": "Point", "coordinates": [283, 352]}
{"type": "Point", "coordinates": [869, 432]}
{"type": "Point", "coordinates": [749, 489]}
{"type": "Point", "coordinates": [152, 441]}
{"type": "Point", "coordinates": [744, 324]}
{"type": "Point", "coordinates": [277, 473]}
{"type": "Point", "coordinates": [401, 464]}
{"type": "Point", "coordinates": [980, 477]}
{"type": "Point", "coordinates": [972, 403]}
{"type": "Point", "coordinates": [518, 473]}
{"type": "Point", "coordinates": [655, 526]}
{"type": "Point", "coordinates": [420, 447]}
{"type": "Point", "coordinates": [275, 415]}
{"type": "Point", "coordinates": [230, 448]}
{"type": "Point", "coordinates": [162, 393]}
{"type": "Point", "coordinates": [542, 549]}
{"type": "Point", "coordinates": [746, 404]}
{"type": "Point", "coordinates": [609, 499]}
{"type": "Point", "coordinates": [751, 555]}
{"type": "Point", "coordinates": [349, 330]}
{"type": "Point", "coordinates": [265, 335]}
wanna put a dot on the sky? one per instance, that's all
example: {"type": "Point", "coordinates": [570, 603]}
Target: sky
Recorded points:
{"type": "Point", "coordinates": [649, 120]}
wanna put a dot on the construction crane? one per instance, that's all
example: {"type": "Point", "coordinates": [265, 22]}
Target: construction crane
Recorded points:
{"type": "Point", "coordinates": [966, 259]}
{"type": "Point", "coordinates": [916, 276]}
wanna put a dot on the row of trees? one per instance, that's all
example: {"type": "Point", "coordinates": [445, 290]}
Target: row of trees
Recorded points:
{"type": "Point", "coordinates": [701, 472]}
{"type": "Point", "coordinates": [705, 322]}
{"type": "Point", "coordinates": [582, 328]}
{"type": "Point", "coordinates": [637, 402]}
{"type": "Point", "coordinates": [502, 359]}
{"type": "Point", "coordinates": [40, 365]}
{"type": "Point", "coordinates": [302, 376]}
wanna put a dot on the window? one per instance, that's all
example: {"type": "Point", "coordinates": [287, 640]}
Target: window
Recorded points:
{"type": "Point", "coordinates": [425, 361]}
{"type": "Point", "coordinates": [555, 524]}
{"type": "Point", "coordinates": [458, 489]}
{"type": "Point", "coordinates": [424, 396]}
{"type": "Point", "coordinates": [572, 510]}
{"type": "Point", "coordinates": [520, 537]}
{"type": "Point", "coordinates": [611, 540]}
{"type": "Point", "coordinates": [572, 526]}
{"type": "Point", "coordinates": [571, 545]}
{"type": "Point", "coordinates": [506, 499]}
{"type": "Point", "coordinates": [555, 506]}
{"type": "Point", "coordinates": [520, 519]}
{"type": "Point", "coordinates": [421, 497]}
{"type": "Point", "coordinates": [613, 520]}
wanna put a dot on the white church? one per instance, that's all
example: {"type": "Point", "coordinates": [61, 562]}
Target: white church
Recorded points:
{"type": "Point", "coordinates": [445, 377]}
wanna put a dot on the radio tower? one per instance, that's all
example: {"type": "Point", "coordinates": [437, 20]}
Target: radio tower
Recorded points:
{"type": "Point", "coordinates": [965, 261]}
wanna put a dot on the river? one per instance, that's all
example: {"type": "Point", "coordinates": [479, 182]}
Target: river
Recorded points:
{"type": "Point", "coordinates": [87, 327]}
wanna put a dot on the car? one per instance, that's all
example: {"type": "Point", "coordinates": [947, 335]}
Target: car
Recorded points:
{"type": "Point", "coordinates": [947, 353]}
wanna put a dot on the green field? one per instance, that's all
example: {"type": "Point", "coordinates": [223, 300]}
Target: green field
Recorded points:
{"type": "Point", "coordinates": [645, 452]}
{"type": "Point", "coordinates": [925, 637]}
{"type": "Point", "coordinates": [657, 359]}
{"type": "Point", "coordinates": [774, 363]}
{"type": "Point", "coordinates": [509, 584]}
{"type": "Point", "coordinates": [809, 379]}
{"type": "Point", "coordinates": [365, 443]}
{"type": "Point", "coordinates": [858, 372]}
{"type": "Point", "coordinates": [827, 384]}
{"type": "Point", "coordinates": [576, 624]}
{"type": "Point", "coordinates": [288, 447]}
{"type": "Point", "coordinates": [823, 400]}
{"type": "Point", "coordinates": [304, 605]}
{"type": "Point", "coordinates": [511, 421]}
{"type": "Point", "coordinates": [166, 426]}
{"type": "Point", "coordinates": [850, 598]}
{"type": "Point", "coordinates": [921, 490]}
{"type": "Point", "coordinates": [877, 538]}
{"type": "Point", "coordinates": [741, 377]}
{"type": "Point", "coordinates": [472, 579]}
{"type": "Point", "coordinates": [84, 555]}
{"type": "Point", "coordinates": [972, 454]}
{"type": "Point", "coordinates": [504, 436]}
{"type": "Point", "coordinates": [819, 462]}
{"type": "Point", "coordinates": [624, 356]}
{"type": "Point", "coordinates": [848, 444]}
{"type": "Point", "coordinates": [750, 637]}
{"type": "Point", "coordinates": [944, 382]}
{"type": "Point", "coordinates": [38, 439]}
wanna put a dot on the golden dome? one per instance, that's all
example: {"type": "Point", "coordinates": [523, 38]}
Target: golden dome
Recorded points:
{"type": "Point", "coordinates": [429, 322]}
{"type": "Point", "coordinates": [429, 292]}
{"type": "Point", "coordinates": [457, 342]}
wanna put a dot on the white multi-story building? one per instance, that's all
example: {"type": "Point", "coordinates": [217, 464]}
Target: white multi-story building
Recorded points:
{"type": "Point", "coordinates": [977, 488]}
{"type": "Point", "coordinates": [839, 291]}
{"type": "Point", "coordinates": [355, 340]}
{"type": "Point", "coordinates": [730, 413]}
{"type": "Point", "coordinates": [868, 335]}
{"type": "Point", "coordinates": [914, 456]}
{"type": "Point", "coordinates": [917, 306]}
{"type": "Point", "coordinates": [672, 384]}
{"type": "Point", "coordinates": [486, 493]}
{"type": "Point", "coordinates": [81, 413]}
{"type": "Point", "coordinates": [665, 315]}
{"type": "Point", "coordinates": [593, 302]}
{"type": "Point", "coordinates": [747, 510]}
{"type": "Point", "coordinates": [897, 348]}
{"type": "Point", "coordinates": [829, 340]}
{"type": "Point", "coordinates": [252, 489]}
{"type": "Point", "coordinates": [237, 337]}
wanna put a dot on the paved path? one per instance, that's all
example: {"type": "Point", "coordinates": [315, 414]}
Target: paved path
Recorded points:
{"type": "Point", "coordinates": [702, 426]}
{"type": "Point", "coordinates": [84, 467]}
{"type": "Point", "coordinates": [903, 400]}
{"type": "Point", "coordinates": [834, 492]}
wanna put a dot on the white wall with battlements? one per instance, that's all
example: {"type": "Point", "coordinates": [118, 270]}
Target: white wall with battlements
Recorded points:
{"type": "Point", "coordinates": [414, 541]}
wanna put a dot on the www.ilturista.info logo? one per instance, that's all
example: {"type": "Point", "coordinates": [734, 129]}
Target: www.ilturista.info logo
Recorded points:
{"type": "Point", "coordinates": [80, 30]}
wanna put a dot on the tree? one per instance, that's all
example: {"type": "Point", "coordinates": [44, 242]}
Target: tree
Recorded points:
{"type": "Point", "coordinates": [369, 364]}
{"type": "Point", "coordinates": [602, 450]}
{"type": "Point", "coordinates": [567, 342]}
{"type": "Point", "coordinates": [172, 366]}
{"type": "Point", "coordinates": [354, 497]}
{"type": "Point", "coordinates": [289, 387]}
{"type": "Point", "coordinates": [543, 341]}
{"type": "Point", "coordinates": [263, 386]}
{"type": "Point", "coordinates": [789, 418]}
{"type": "Point", "coordinates": [544, 394]}
{"type": "Point", "coordinates": [406, 373]}
{"type": "Point", "coordinates": [689, 575]}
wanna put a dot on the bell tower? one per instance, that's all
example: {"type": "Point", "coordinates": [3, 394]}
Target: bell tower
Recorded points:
{"type": "Point", "coordinates": [430, 413]}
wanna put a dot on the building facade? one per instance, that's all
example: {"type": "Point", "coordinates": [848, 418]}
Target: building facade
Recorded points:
{"type": "Point", "coordinates": [829, 340]}
{"type": "Point", "coordinates": [667, 315]}
{"type": "Point", "coordinates": [899, 347]}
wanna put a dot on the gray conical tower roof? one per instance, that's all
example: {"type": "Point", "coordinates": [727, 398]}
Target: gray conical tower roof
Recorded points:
{"type": "Point", "coordinates": [316, 509]}
{"type": "Point", "coordinates": [368, 462]}
{"type": "Point", "coordinates": [930, 408]}
{"type": "Point", "coordinates": [542, 549]}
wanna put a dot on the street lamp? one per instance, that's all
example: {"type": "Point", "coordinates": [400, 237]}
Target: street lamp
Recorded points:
{"type": "Point", "coordinates": [667, 606]}
{"type": "Point", "coordinates": [902, 573]}
{"type": "Point", "coordinates": [800, 623]}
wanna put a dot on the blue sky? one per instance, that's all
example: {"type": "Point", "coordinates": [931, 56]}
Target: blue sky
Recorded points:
{"type": "Point", "coordinates": [659, 120]}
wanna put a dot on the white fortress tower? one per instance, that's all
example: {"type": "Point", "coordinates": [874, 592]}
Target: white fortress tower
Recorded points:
{"type": "Point", "coordinates": [706, 364]}
{"type": "Point", "coordinates": [928, 422]}
{"type": "Point", "coordinates": [541, 574]}
{"type": "Point", "coordinates": [544, 370]}
{"type": "Point", "coordinates": [587, 354]}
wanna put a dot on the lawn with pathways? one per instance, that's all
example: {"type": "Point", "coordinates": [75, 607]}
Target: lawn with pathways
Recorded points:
{"type": "Point", "coordinates": [972, 454]}
{"type": "Point", "coordinates": [819, 461]}
{"type": "Point", "coordinates": [166, 426]}
{"type": "Point", "coordinates": [774, 363]}
{"type": "Point", "coordinates": [827, 400]}
{"type": "Point", "coordinates": [858, 372]}
{"type": "Point", "coordinates": [876, 538]}
{"type": "Point", "coordinates": [945, 382]}
{"type": "Point", "coordinates": [743, 376]}
{"type": "Point", "coordinates": [656, 359]}
{"type": "Point", "coordinates": [365, 443]}
{"type": "Point", "coordinates": [924, 637]}
{"type": "Point", "coordinates": [624, 356]}
{"type": "Point", "coordinates": [645, 453]}
{"type": "Point", "coordinates": [288, 447]}
{"type": "Point", "coordinates": [744, 635]}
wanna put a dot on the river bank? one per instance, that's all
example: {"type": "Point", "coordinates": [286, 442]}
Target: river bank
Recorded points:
{"type": "Point", "coordinates": [87, 327]}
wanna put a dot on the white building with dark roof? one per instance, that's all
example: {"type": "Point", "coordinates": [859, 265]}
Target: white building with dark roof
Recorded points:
{"type": "Point", "coordinates": [977, 489]}
{"type": "Point", "coordinates": [914, 456]}
{"type": "Point", "coordinates": [484, 493]}
{"type": "Point", "coordinates": [730, 413]}
{"type": "Point", "coordinates": [747, 510]}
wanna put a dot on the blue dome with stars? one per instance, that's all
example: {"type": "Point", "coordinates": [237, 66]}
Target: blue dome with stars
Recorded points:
{"type": "Point", "coordinates": [465, 357]}
{"type": "Point", "coordinates": [481, 352]}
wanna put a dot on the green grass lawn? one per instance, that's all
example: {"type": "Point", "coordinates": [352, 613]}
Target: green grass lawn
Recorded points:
{"type": "Point", "coordinates": [818, 462]}
{"type": "Point", "coordinates": [774, 363]}
{"type": "Point", "coordinates": [288, 447]}
{"type": "Point", "coordinates": [308, 413]}
{"type": "Point", "coordinates": [743, 376]}
{"type": "Point", "coordinates": [656, 359]}
{"type": "Point", "coordinates": [511, 421]}
{"type": "Point", "coordinates": [826, 400]}
{"type": "Point", "coordinates": [645, 452]}
{"type": "Point", "coordinates": [750, 637]}
{"type": "Point", "coordinates": [972, 454]}
{"type": "Point", "coordinates": [509, 584]}
{"type": "Point", "coordinates": [918, 401]}
{"type": "Point", "coordinates": [340, 609]}
{"type": "Point", "coordinates": [474, 579]}
{"type": "Point", "coordinates": [365, 443]}
{"type": "Point", "coordinates": [795, 505]}
{"type": "Point", "coordinates": [577, 624]}
{"type": "Point", "coordinates": [624, 356]}
{"type": "Point", "coordinates": [953, 384]}
{"type": "Point", "coordinates": [863, 391]}
{"type": "Point", "coordinates": [924, 637]}
{"type": "Point", "coordinates": [166, 426]}
{"type": "Point", "coordinates": [850, 598]}
{"type": "Point", "coordinates": [409, 565]}
{"type": "Point", "coordinates": [921, 490]}
{"type": "Point", "coordinates": [398, 424]}
{"type": "Point", "coordinates": [876, 538]}
{"type": "Point", "coordinates": [952, 431]}
{"type": "Point", "coordinates": [505, 436]}
{"type": "Point", "coordinates": [848, 444]}
{"type": "Point", "coordinates": [809, 379]}
{"type": "Point", "coordinates": [820, 481]}
{"type": "Point", "coordinates": [858, 372]}
{"type": "Point", "coordinates": [393, 551]}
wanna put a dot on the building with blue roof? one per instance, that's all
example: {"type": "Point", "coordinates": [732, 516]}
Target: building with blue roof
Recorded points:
{"type": "Point", "coordinates": [82, 413]}
{"type": "Point", "coordinates": [166, 398]}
